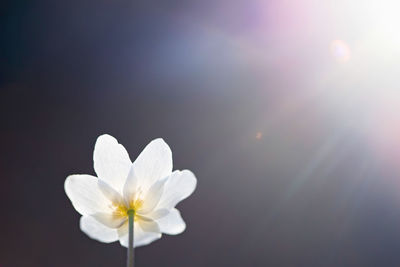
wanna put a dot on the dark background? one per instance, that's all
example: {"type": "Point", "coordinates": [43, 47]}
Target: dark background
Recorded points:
{"type": "Point", "coordinates": [291, 171]}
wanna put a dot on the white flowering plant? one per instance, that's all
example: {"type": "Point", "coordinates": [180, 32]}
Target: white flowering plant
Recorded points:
{"type": "Point", "coordinates": [133, 203]}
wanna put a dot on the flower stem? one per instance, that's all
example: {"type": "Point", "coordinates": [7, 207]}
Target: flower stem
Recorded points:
{"type": "Point", "coordinates": [131, 251]}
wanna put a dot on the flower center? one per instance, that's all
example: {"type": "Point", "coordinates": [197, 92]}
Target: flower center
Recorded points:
{"type": "Point", "coordinates": [136, 204]}
{"type": "Point", "coordinates": [121, 210]}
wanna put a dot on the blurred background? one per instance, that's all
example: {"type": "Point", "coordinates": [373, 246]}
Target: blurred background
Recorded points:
{"type": "Point", "coordinates": [288, 112]}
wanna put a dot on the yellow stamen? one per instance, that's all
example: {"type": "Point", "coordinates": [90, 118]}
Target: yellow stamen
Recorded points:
{"type": "Point", "coordinates": [120, 210]}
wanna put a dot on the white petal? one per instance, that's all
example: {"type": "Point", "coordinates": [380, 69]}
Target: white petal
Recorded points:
{"type": "Point", "coordinates": [148, 225]}
{"type": "Point", "coordinates": [111, 161]}
{"type": "Point", "coordinates": [98, 231]}
{"type": "Point", "coordinates": [109, 219]}
{"type": "Point", "coordinates": [172, 224]}
{"type": "Point", "coordinates": [129, 191]}
{"type": "Point", "coordinates": [109, 192]}
{"type": "Point", "coordinates": [179, 186]}
{"type": "Point", "coordinates": [154, 163]}
{"type": "Point", "coordinates": [141, 238]}
{"type": "Point", "coordinates": [85, 195]}
{"type": "Point", "coordinates": [153, 196]}
{"type": "Point", "coordinates": [158, 214]}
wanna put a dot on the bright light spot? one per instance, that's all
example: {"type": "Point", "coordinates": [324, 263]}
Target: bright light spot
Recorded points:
{"type": "Point", "coordinates": [259, 135]}
{"type": "Point", "coordinates": [340, 51]}
{"type": "Point", "coordinates": [365, 92]}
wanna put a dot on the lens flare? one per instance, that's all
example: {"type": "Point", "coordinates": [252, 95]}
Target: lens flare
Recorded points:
{"type": "Point", "coordinates": [340, 51]}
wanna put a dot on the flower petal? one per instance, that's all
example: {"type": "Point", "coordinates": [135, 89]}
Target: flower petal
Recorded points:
{"type": "Point", "coordinates": [153, 196]}
{"type": "Point", "coordinates": [154, 163]}
{"type": "Point", "coordinates": [158, 214]}
{"type": "Point", "coordinates": [85, 195]}
{"type": "Point", "coordinates": [172, 224]}
{"type": "Point", "coordinates": [179, 186]}
{"type": "Point", "coordinates": [111, 161]}
{"type": "Point", "coordinates": [98, 231]}
{"type": "Point", "coordinates": [110, 193]}
{"type": "Point", "coordinates": [110, 220]}
{"type": "Point", "coordinates": [141, 238]}
{"type": "Point", "coordinates": [148, 225]}
{"type": "Point", "coordinates": [129, 191]}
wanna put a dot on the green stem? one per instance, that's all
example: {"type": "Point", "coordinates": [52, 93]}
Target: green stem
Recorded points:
{"type": "Point", "coordinates": [131, 251]}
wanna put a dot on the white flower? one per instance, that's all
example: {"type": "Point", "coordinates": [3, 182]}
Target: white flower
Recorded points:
{"type": "Point", "coordinates": [148, 186]}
